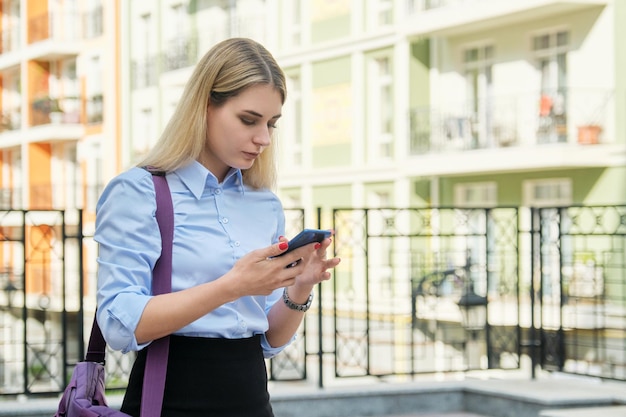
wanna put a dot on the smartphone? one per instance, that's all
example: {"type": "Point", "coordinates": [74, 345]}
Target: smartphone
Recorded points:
{"type": "Point", "coordinates": [305, 237]}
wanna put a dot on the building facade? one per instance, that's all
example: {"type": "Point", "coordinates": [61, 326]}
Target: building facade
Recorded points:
{"type": "Point", "coordinates": [405, 103]}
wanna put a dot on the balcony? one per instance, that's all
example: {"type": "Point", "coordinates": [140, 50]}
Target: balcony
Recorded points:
{"type": "Point", "coordinates": [54, 119]}
{"type": "Point", "coordinates": [47, 110]}
{"type": "Point", "coordinates": [53, 36]}
{"type": "Point", "coordinates": [181, 52]}
{"type": "Point", "coordinates": [564, 116]}
{"type": "Point", "coordinates": [454, 17]}
{"type": "Point", "coordinates": [578, 120]}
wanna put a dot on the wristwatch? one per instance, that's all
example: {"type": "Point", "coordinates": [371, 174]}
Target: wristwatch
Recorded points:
{"type": "Point", "coordinates": [298, 307]}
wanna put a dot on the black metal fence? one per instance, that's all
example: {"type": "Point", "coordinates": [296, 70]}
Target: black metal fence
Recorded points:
{"type": "Point", "coordinates": [419, 290]}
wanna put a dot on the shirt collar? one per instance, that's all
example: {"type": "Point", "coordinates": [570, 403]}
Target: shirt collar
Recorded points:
{"type": "Point", "coordinates": [196, 178]}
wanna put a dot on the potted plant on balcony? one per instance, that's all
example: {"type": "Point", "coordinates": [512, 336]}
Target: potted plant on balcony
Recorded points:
{"type": "Point", "coordinates": [49, 106]}
{"type": "Point", "coordinates": [589, 133]}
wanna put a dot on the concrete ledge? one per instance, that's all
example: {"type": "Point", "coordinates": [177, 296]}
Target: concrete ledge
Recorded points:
{"type": "Point", "coordinates": [616, 411]}
{"type": "Point", "coordinates": [496, 398]}
{"type": "Point", "coordinates": [377, 400]}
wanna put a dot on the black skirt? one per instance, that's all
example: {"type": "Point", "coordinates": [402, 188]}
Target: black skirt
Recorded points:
{"type": "Point", "coordinates": [207, 377]}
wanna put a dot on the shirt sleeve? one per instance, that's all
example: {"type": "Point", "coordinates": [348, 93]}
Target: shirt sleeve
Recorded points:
{"type": "Point", "coordinates": [268, 350]}
{"type": "Point", "coordinates": [129, 246]}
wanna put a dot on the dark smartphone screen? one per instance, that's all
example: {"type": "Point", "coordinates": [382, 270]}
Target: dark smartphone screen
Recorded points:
{"type": "Point", "coordinates": [305, 237]}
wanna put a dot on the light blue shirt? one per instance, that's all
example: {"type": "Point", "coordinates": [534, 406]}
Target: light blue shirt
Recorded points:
{"type": "Point", "coordinates": [215, 224]}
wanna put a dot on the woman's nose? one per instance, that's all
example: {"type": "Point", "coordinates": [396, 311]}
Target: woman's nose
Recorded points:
{"type": "Point", "coordinates": [263, 137]}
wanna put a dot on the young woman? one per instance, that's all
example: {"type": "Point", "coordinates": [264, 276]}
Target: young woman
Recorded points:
{"type": "Point", "coordinates": [232, 303]}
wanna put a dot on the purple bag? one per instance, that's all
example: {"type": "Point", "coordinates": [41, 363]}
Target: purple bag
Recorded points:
{"type": "Point", "coordinates": [84, 396]}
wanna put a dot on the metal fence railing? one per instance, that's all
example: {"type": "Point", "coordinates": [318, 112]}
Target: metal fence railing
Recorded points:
{"type": "Point", "coordinates": [419, 290]}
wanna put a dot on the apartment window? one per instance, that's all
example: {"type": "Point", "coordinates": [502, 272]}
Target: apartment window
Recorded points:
{"type": "Point", "coordinates": [293, 129]}
{"type": "Point", "coordinates": [293, 23]}
{"type": "Point", "coordinates": [65, 186]}
{"type": "Point", "coordinates": [178, 52]}
{"type": "Point", "coordinates": [552, 192]}
{"type": "Point", "coordinates": [482, 194]}
{"type": "Point", "coordinates": [13, 178]}
{"type": "Point", "coordinates": [379, 199]}
{"type": "Point", "coordinates": [143, 135]}
{"type": "Point", "coordinates": [144, 70]}
{"type": "Point", "coordinates": [381, 108]}
{"type": "Point", "coordinates": [94, 182]}
{"type": "Point", "coordinates": [249, 20]}
{"type": "Point", "coordinates": [94, 91]}
{"type": "Point", "coordinates": [380, 13]}
{"type": "Point", "coordinates": [11, 26]}
{"type": "Point", "coordinates": [474, 119]}
{"type": "Point", "coordinates": [94, 20]}
{"type": "Point", "coordinates": [550, 50]}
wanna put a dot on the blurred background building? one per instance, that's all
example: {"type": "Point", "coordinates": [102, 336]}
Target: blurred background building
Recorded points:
{"type": "Point", "coordinates": [391, 103]}
{"type": "Point", "coordinates": [396, 102]}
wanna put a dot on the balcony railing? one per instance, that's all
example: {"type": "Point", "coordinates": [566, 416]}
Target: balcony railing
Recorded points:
{"type": "Point", "coordinates": [563, 116]}
{"type": "Point", "coordinates": [181, 52]}
{"type": "Point", "coordinates": [47, 110]}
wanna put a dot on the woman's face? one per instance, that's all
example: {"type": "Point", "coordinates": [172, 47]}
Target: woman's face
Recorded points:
{"type": "Point", "coordinates": [240, 129]}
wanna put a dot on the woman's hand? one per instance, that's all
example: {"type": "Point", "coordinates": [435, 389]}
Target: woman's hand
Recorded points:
{"type": "Point", "coordinates": [316, 266]}
{"type": "Point", "coordinates": [262, 271]}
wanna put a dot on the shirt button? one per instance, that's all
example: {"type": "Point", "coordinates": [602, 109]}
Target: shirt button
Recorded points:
{"type": "Point", "coordinates": [218, 191]}
{"type": "Point", "coordinates": [237, 243]}
{"type": "Point", "coordinates": [224, 220]}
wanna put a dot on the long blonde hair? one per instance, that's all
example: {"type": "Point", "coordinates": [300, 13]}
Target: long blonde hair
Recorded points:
{"type": "Point", "coordinates": [226, 70]}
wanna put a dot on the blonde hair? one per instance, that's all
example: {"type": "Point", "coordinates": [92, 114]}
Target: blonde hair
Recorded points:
{"type": "Point", "coordinates": [226, 70]}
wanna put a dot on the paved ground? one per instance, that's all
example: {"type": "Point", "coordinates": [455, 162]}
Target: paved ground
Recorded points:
{"type": "Point", "coordinates": [439, 415]}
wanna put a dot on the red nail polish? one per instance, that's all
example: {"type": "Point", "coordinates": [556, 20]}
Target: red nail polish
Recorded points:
{"type": "Point", "coordinates": [318, 245]}
{"type": "Point", "coordinates": [283, 245]}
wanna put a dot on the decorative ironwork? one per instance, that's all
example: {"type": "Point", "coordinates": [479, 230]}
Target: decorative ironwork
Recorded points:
{"type": "Point", "coordinates": [552, 281]}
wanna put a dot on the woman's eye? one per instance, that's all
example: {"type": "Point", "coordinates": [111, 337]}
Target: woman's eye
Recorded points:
{"type": "Point", "coordinates": [272, 125]}
{"type": "Point", "coordinates": [247, 122]}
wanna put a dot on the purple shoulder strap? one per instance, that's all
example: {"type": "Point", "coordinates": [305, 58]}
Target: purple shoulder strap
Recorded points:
{"type": "Point", "coordinates": [156, 361]}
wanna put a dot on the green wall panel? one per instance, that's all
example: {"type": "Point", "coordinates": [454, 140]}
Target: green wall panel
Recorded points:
{"type": "Point", "coordinates": [330, 29]}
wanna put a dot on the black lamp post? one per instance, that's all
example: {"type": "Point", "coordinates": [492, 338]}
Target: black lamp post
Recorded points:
{"type": "Point", "coordinates": [473, 309]}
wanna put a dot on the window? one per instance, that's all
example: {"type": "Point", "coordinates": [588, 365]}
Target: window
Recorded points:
{"type": "Point", "coordinates": [293, 124]}
{"type": "Point", "coordinates": [552, 192]}
{"type": "Point", "coordinates": [476, 115]}
{"type": "Point", "coordinates": [380, 13]}
{"type": "Point", "coordinates": [143, 135]}
{"type": "Point", "coordinates": [178, 51]}
{"type": "Point", "coordinates": [482, 194]}
{"type": "Point", "coordinates": [94, 20]}
{"type": "Point", "coordinates": [293, 23]}
{"type": "Point", "coordinates": [94, 183]}
{"type": "Point", "coordinates": [550, 50]}
{"type": "Point", "coordinates": [94, 91]}
{"type": "Point", "coordinates": [381, 109]}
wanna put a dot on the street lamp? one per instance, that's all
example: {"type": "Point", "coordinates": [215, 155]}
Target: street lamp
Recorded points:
{"type": "Point", "coordinates": [473, 309]}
